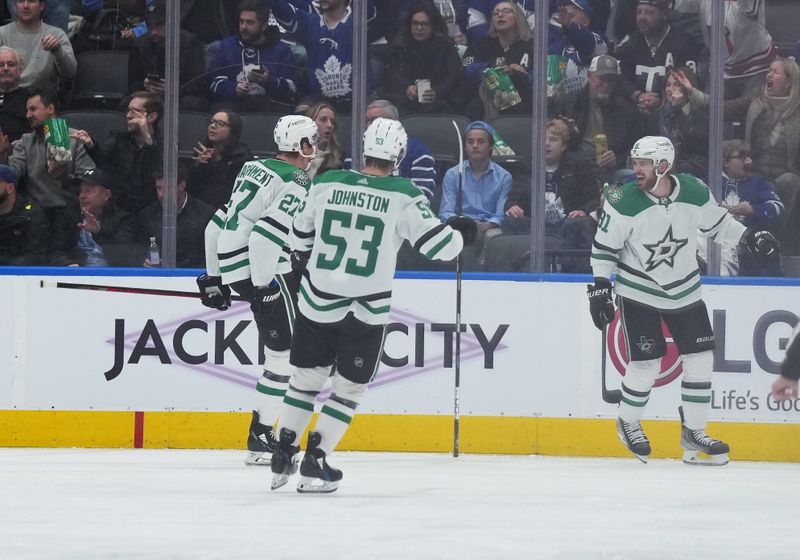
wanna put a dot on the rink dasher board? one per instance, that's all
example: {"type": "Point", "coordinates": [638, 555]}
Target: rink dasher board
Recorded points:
{"type": "Point", "coordinates": [183, 375]}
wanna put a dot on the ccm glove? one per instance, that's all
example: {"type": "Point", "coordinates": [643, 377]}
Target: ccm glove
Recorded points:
{"type": "Point", "coordinates": [601, 306]}
{"type": "Point", "coordinates": [265, 297]}
{"type": "Point", "coordinates": [760, 242]}
{"type": "Point", "coordinates": [466, 227]}
{"type": "Point", "coordinates": [213, 293]}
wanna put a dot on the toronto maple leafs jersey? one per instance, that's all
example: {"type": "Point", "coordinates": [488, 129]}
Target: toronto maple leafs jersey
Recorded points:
{"type": "Point", "coordinates": [354, 224]}
{"type": "Point", "coordinates": [330, 49]}
{"type": "Point", "coordinates": [651, 242]}
{"type": "Point", "coordinates": [247, 237]}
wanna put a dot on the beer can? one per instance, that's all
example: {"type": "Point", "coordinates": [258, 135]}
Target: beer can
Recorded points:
{"type": "Point", "coordinates": [600, 146]}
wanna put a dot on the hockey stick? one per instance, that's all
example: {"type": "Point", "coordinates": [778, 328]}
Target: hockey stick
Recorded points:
{"type": "Point", "coordinates": [611, 396]}
{"type": "Point", "coordinates": [457, 364]}
{"type": "Point", "coordinates": [129, 290]}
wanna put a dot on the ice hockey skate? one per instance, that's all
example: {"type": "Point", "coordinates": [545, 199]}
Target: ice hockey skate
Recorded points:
{"type": "Point", "coordinates": [284, 459]}
{"type": "Point", "coordinates": [316, 475]}
{"type": "Point", "coordinates": [632, 435]}
{"type": "Point", "coordinates": [701, 449]}
{"type": "Point", "coordinates": [260, 443]}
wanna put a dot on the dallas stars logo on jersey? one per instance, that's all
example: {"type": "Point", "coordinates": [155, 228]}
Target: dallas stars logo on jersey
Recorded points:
{"type": "Point", "coordinates": [664, 251]}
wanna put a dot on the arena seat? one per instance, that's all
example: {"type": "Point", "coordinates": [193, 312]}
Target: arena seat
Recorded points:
{"type": "Point", "coordinates": [101, 81]}
{"type": "Point", "coordinates": [516, 131]}
{"type": "Point", "coordinates": [436, 131]}
{"type": "Point", "coordinates": [257, 133]}
{"type": "Point", "coordinates": [192, 128]}
{"type": "Point", "coordinates": [99, 124]}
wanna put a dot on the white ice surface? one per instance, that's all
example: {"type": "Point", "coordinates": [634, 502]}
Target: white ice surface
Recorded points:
{"type": "Point", "coordinates": [69, 503]}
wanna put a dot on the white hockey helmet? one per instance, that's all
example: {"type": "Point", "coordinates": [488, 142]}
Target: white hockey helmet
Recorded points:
{"type": "Point", "coordinates": [291, 130]}
{"type": "Point", "coordinates": [657, 149]}
{"type": "Point", "coordinates": [385, 139]}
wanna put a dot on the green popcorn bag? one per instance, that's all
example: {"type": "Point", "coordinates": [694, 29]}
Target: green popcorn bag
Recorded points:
{"type": "Point", "coordinates": [556, 69]}
{"type": "Point", "coordinates": [500, 89]}
{"type": "Point", "coordinates": [500, 147]}
{"type": "Point", "coordinates": [56, 137]}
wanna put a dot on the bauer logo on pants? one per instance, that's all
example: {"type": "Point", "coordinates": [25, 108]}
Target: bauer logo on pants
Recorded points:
{"type": "Point", "coordinates": [671, 366]}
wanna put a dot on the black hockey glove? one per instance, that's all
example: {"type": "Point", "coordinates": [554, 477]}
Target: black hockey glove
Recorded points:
{"type": "Point", "coordinates": [466, 226]}
{"type": "Point", "coordinates": [760, 242]}
{"type": "Point", "coordinates": [213, 293]}
{"type": "Point", "coordinates": [265, 298]}
{"type": "Point", "coordinates": [601, 306]}
{"type": "Point", "coordinates": [299, 260]}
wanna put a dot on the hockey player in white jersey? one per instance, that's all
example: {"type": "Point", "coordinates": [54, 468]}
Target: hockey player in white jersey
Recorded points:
{"type": "Point", "coordinates": [246, 251]}
{"type": "Point", "coordinates": [353, 223]}
{"type": "Point", "coordinates": [647, 233]}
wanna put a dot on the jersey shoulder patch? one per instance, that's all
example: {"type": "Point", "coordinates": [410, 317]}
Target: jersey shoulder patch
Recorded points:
{"type": "Point", "coordinates": [693, 190]}
{"type": "Point", "coordinates": [627, 199]}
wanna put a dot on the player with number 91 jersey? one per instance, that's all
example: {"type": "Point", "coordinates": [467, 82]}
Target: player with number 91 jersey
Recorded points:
{"type": "Point", "coordinates": [252, 229]}
{"type": "Point", "coordinates": [354, 225]}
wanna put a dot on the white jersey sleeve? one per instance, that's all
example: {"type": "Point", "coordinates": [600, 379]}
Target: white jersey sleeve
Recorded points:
{"type": "Point", "coordinates": [212, 231]}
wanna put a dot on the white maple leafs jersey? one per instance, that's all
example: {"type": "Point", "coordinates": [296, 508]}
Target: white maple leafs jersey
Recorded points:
{"type": "Point", "coordinates": [354, 224]}
{"type": "Point", "coordinates": [247, 237]}
{"type": "Point", "coordinates": [652, 242]}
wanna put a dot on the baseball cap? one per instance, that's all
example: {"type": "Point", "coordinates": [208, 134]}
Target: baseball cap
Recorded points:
{"type": "Point", "coordinates": [96, 177]}
{"type": "Point", "coordinates": [583, 5]}
{"type": "Point", "coordinates": [605, 65]}
{"type": "Point", "coordinates": [7, 174]}
{"type": "Point", "coordinates": [663, 4]}
{"type": "Point", "coordinates": [480, 125]}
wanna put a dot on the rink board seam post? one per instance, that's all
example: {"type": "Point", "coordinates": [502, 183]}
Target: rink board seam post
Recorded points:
{"type": "Point", "coordinates": [386, 432]}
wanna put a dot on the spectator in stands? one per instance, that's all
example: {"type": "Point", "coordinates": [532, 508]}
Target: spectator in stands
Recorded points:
{"type": "Point", "coordinates": [598, 110]}
{"type": "Point", "coordinates": [330, 154]}
{"type": "Point", "coordinates": [328, 38]}
{"type": "Point", "coordinates": [47, 182]}
{"type": "Point", "coordinates": [507, 48]}
{"type": "Point", "coordinates": [752, 200]}
{"type": "Point", "coordinates": [772, 129]}
{"type": "Point", "coordinates": [147, 62]}
{"type": "Point", "coordinates": [193, 216]}
{"type": "Point", "coordinates": [218, 160]}
{"type": "Point", "coordinates": [107, 233]}
{"type": "Point", "coordinates": [570, 36]}
{"type": "Point", "coordinates": [684, 119]}
{"type": "Point", "coordinates": [422, 51]}
{"type": "Point", "coordinates": [418, 163]}
{"type": "Point", "coordinates": [455, 15]}
{"type": "Point", "coordinates": [749, 44]}
{"type": "Point", "coordinates": [485, 187]}
{"type": "Point", "coordinates": [645, 54]}
{"type": "Point", "coordinates": [56, 14]}
{"type": "Point", "coordinates": [481, 13]}
{"type": "Point", "coordinates": [253, 71]}
{"type": "Point", "coordinates": [13, 98]}
{"type": "Point", "coordinates": [45, 49]}
{"type": "Point", "coordinates": [24, 230]}
{"type": "Point", "coordinates": [572, 197]}
{"type": "Point", "coordinates": [131, 156]}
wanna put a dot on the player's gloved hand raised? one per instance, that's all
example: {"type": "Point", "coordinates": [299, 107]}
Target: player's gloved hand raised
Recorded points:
{"type": "Point", "coordinates": [213, 293]}
{"type": "Point", "coordinates": [760, 242]}
{"type": "Point", "coordinates": [265, 297]}
{"type": "Point", "coordinates": [601, 306]}
{"type": "Point", "coordinates": [466, 226]}
{"type": "Point", "coordinates": [299, 261]}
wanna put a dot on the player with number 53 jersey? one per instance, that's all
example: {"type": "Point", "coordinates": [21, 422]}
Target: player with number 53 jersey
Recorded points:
{"type": "Point", "coordinates": [353, 224]}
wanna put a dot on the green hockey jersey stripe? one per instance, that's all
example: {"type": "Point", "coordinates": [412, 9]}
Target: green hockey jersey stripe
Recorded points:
{"type": "Point", "coordinates": [234, 266]}
{"type": "Point", "coordinates": [231, 254]}
{"type": "Point", "coordinates": [439, 246]}
{"type": "Point", "coordinates": [217, 220]}
{"type": "Point", "coordinates": [667, 287]}
{"type": "Point", "coordinates": [655, 292]}
{"type": "Point", "coordinates": [375, 310]}
{"type": "Point", "coordinates": [269, 235]}
{"type": "Point", "coordinates": [322, 307]}
{"type": "Point", "coordinates": [325, 295]}
{"type": "Point", "coordinates": [602, 257]}
{"type": "Point", "coordinates": [272, 222]}
{"type": "Point", "coordinates": [428, 236]}
{"type": "Point", "coordinates": [602, 247]}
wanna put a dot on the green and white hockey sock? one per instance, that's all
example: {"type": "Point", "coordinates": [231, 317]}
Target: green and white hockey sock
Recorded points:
{"type": "Point", "coordinates": [338, 412]}
{"type": "Point", "coordinates": [696, 389]}
{"type": "Point", "coordinates": [636, 385]}
{"type": "Point", "coordinates": [272, 386]}
{"type": "Point", "coordinates": [298, 403]}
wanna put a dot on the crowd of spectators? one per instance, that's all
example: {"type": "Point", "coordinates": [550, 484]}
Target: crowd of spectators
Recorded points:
{"type": "Point", "coordinates": [616, 71]}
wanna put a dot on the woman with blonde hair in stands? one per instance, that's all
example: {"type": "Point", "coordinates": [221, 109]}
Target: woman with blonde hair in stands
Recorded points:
{"type": "Point", "coordinates": [330, 154]}
{"type": "Point", "coordinates": [508, 48]}
{"type": "Point", "coordinates": [772, 129]}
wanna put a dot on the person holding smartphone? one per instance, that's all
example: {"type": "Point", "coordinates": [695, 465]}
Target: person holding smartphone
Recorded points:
{"type": "Point", "coordinates": [253, 71]}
